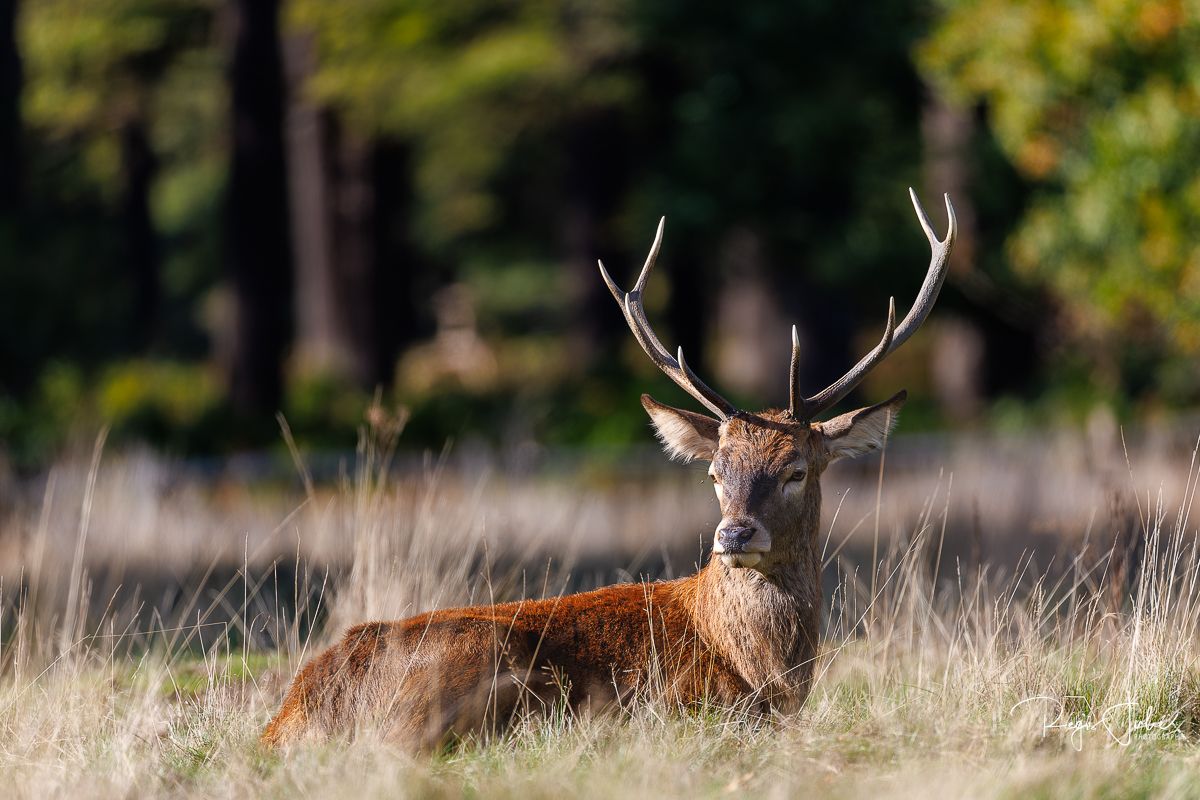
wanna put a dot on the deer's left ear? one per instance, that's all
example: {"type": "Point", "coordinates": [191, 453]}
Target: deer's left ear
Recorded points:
{"type": "Point", "coordinates": [861, 431]}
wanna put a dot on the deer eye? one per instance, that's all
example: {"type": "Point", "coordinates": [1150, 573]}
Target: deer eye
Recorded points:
{"type": "Point", "coordinates": [712, 476]}
{"type": "Point", "coordinates": [796, 476]}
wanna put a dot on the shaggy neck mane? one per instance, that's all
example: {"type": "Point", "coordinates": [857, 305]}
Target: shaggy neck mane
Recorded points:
{"type": "Point", "coordinates": [766, 623]}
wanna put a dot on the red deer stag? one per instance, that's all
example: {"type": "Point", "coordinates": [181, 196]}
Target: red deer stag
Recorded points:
{"type": "Point", "coordinates": [741, 631]}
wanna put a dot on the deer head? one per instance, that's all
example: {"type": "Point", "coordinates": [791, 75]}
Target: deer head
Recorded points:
{"type": "Point", "coordinates": [766, 466]}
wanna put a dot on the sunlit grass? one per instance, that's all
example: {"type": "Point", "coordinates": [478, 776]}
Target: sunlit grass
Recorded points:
{"type": "Point", "coordinates": [1044, 683]}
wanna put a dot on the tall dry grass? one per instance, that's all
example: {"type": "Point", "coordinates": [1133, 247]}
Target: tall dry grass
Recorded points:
{"type": "Point", "coordinates": [946, 669]}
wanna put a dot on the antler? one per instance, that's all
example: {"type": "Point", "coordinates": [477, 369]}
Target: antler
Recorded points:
{"type": "Point", "coordinates": [805, 408]}
{"type": "Point", "coordinates": [675, 368]}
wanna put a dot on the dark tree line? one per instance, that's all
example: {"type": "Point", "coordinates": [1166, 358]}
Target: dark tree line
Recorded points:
{"type": "Point", "coordinates": [11, 185]}
{"type": "Point", "coordinates": [281, 188]}
{"type": "Point", "coordinates": [258, 232]}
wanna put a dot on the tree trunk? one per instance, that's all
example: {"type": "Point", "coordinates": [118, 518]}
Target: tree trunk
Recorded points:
{"type": "Point", "coordinates": [259, 251]}
{"type": "Point", "coordinates": [141, 241]}
{"type": "Point", "coordinates": [946, 132]}
{"type": "Point", "coordinates": [824, 321]}
{"type": "Point", "coordinates": [753, 350]}
{"type": "Point", "coordinates": [11, 182]}
{"type": "Point", "coordinates": [589, 333]}
{"type": "Point", "coordinates": [692, 300]}
{"type": "Point", "coordinates": [403, 282]}
{"type": "Point", "coordinates": [595, 179]}
{"type": "Point", "coordinates": [959, 350]}
{"type": "Point", "coordinates": [333, 219]}
{"type": "Point", "coordinates": [320, 346]}
{"type": "Point", "coordinates": [688, 264]}
{"type": "Point", "coordinates": [353, 226]}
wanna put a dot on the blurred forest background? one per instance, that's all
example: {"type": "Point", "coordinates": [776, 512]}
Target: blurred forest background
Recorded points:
{"type": "Point", "coordinates": [212, 211]}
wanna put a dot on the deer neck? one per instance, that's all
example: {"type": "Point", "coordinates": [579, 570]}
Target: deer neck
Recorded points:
{"type": "Point", "coordinates": [765, 623]}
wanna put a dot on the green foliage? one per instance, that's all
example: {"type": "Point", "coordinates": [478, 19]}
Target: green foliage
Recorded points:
{"type": "Point", "coordinates": [55, 411]}
{"type": "Point", "coordinates": [796, 120]}
{"type": "Point", "coordinates": [92, 65]}
{"type": "Point", "coordinates": [464, 80]}
{"type": "Point", "coordinates": [1098, 105]}
{"type": "Point", "coordinates": [324, 412]}
{"type": "Point", "coordinates": [180, 406]}
{"type": "Point", "coordinates": [92, 69]}
{"type": "Point", "coordinates": [529, 134]}
{"type": "Point", "coordinates": [156, 398]}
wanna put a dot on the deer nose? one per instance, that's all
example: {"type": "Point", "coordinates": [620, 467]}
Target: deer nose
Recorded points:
{"type": "Point", "coordinates": [733, 538]}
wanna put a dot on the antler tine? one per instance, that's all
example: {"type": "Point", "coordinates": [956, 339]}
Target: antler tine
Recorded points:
{"type": "Point", "coordinates": [675, 369]}
{"type": "Point", "coordinates": [811, 406]}
{"type": "Point", "coordinates": [617, 294]}
{"type": "Point", "coordinates": [894, 336]}
{"type": "Point", "coordinates": [795, 399]}
{"type": "Point", "coordinates": [701, 391]}
{"type": "Point", "coordinates": [935, 276]}
{"type": "Point", "coordinates": [635, 316]}
{"type": "Point", "coordinates": [651, 257]}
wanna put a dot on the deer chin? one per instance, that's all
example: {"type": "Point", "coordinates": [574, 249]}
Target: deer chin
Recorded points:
{"type": "Point", "coordinates": [740, 560]}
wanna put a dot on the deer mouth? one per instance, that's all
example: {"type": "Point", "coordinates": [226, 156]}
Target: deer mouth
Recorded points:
{"type": "Point", "coordinates": [740, 560]}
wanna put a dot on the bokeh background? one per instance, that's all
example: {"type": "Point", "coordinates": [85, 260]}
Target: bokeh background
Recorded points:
{"type": "Point", "coordinates": [301, 326]}
{"type": "Point", "coordinates": [212, 211]}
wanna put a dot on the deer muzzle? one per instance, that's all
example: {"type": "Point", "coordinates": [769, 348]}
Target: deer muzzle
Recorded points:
{"type": "Point", "coordinates": [740, 545]}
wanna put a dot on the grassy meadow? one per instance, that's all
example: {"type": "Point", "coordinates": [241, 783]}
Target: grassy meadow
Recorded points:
{"type": "Point", "coordinates": [1030, 630]}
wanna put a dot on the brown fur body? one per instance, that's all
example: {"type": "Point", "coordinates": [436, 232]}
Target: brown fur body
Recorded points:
{"type": "Point", "coordinates": [724, 635]}
{"type": "Point", "coordinates": [741, 631]}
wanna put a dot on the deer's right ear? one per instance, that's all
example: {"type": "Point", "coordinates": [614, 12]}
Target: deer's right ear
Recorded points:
{"type": "Point", "coordinates": [685, 435]}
